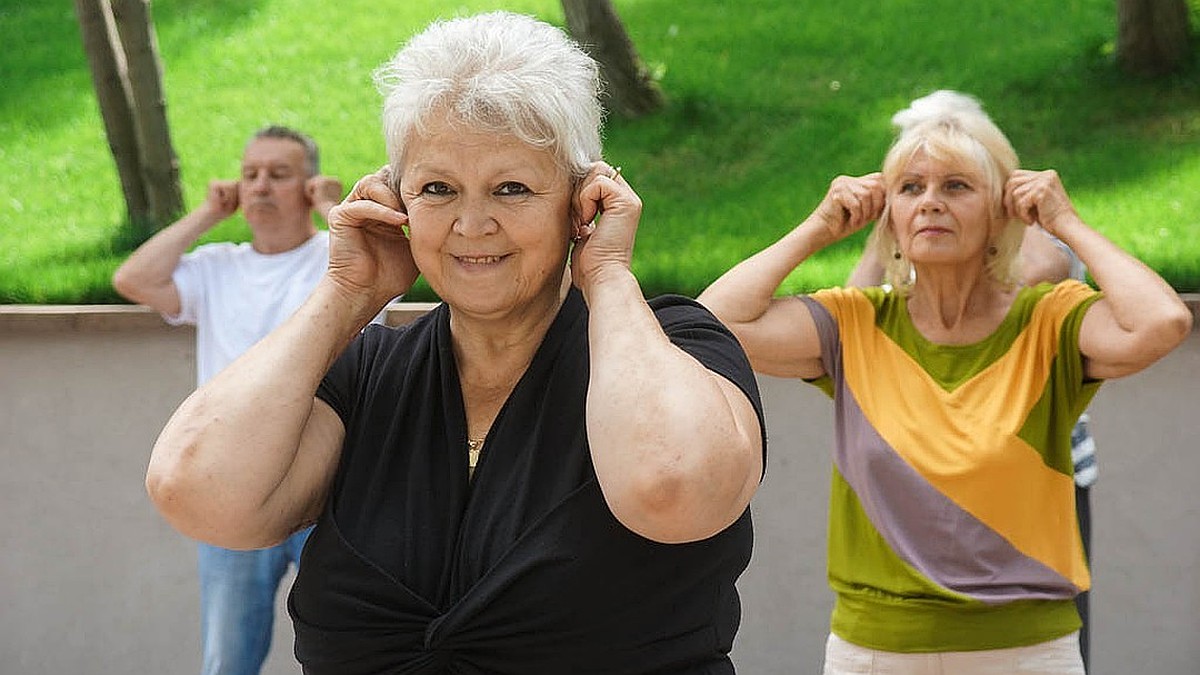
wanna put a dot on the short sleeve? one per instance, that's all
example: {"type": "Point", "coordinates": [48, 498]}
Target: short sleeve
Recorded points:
{"type": "Point", "coordinates": [340, 385]}
{"type": "Point", "coordinates": [188, 278]}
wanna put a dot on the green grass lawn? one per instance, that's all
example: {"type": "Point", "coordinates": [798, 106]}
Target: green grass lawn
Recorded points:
{"type": "Point", "coordinates": [769, 100]}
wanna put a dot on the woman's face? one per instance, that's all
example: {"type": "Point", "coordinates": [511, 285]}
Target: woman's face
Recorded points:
{"type": "Point", "coordinates": [940, 211]}
{"type": "Point", "coordinates": [488, 219]}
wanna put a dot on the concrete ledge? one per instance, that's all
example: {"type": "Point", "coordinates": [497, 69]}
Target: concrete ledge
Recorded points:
{"type": "Point", "coordinates": [29, 318]}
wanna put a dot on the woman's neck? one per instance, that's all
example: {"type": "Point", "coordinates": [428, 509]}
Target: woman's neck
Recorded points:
{"type": "Point", "coordinates": [958, 305]}
{"type": "Point", "coordinates": [493, 353]}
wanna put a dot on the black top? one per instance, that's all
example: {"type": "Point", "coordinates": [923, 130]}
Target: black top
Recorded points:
{"type": "Point", "coordinates": [414, 569]}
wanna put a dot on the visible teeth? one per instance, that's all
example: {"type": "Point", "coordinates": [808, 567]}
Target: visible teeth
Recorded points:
{"type": "Point", "coordinates": [484, 260]}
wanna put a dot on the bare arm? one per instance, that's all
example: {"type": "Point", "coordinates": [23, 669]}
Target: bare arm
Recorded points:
{"type": "Point", "coordinates": [868, 271]}
{"type": "Point", "coordinates": [146, 276]}
{"type": "Point", "coordinates": [778, 333]}
{"type": "Point", "coordinates": [1140, 318]}
{"type": "Point", "coordinates": [248, 458]}
{"type": "Point", "coordinates": [1042, 260]}
{"type": "Point", "coordinates": [677, 448]}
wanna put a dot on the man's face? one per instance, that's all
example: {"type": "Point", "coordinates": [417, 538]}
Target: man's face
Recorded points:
{"type": "Point", "coordinates": [271, 190]}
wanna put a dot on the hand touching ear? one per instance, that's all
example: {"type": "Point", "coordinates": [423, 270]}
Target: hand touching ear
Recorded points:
{"type": "Point", "coordinates": [1038, 197]}
{"type": "Point", "coordinates": [609, 211]}
{"type": "Point", "coordinates": [851, 203]}
{"type": "Point", "coordinates": [369, 255]}
{"type": "Point", "coordinates": [323, 192]}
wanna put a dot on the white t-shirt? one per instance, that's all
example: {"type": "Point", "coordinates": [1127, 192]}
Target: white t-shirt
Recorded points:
{"type": "Point", "coordinates": [235, 295]}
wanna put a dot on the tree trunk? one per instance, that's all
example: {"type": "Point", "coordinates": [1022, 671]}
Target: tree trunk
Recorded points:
{"type": "Point", "coordinates": [628, 88]}
{"type": "Point", "coordinates": [112, 94]}
{"type": "Point", "coordinates": [160, 166]}
{"type": "Point", "coordinates": [1153, 36]}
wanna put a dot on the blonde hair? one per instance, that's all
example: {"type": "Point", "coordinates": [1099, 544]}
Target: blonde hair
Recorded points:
{"type": "Point", "coordinates": [952, 127]}
{"type": "Point", "coordinates": [496, 72]}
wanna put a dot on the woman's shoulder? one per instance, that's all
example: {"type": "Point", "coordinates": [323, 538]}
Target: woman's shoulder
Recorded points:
{"type": "Point", "coordinates": [379, 339]}
{"type": "Point", "coordinates": [863, 304]}
{"type": "Point", "coordinates": [1055, 298]}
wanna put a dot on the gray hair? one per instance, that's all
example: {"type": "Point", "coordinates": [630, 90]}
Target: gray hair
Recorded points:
{"type": "Point", "coordinates": [312, 157]}
{"type": "Point", "coordinates": [951, 126]}
{"type": "Point", "coordinates": [496, 72]}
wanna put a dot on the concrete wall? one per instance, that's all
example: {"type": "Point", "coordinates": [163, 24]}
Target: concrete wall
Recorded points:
{"type": "Point", "coordinates": [93, 581]}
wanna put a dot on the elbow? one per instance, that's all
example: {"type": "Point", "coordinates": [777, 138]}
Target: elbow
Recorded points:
{"type": "Point", "coordinates": [179, 497]}
{"type": "Point", "coordinates": [1152, 343]}
{"type": "Point", "coordinates": [1172, 328]}
{"type": "Point", "coordinates": [125, 283]}
{"type": "Point", "coordinates": [121, 283]}
{"type": "Point", "coordinates": [1185, 323]}
{"type": "Point", "coordinates": [653, 504]}
{"type": "Point", "coordinates": [172, 492]}
{"type": "Point", "coordinates": [681, 500]}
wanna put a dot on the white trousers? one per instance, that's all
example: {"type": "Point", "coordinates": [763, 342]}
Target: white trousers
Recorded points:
{"type": "Point", "coordinates": [1056, 657]}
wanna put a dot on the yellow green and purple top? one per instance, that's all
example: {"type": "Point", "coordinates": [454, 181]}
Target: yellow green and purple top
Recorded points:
{"type": "Point", "coordinates": [952, 518]}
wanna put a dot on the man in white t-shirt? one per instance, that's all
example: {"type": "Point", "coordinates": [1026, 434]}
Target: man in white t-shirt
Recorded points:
{"type": "Point", "coordinates": [235, 294]}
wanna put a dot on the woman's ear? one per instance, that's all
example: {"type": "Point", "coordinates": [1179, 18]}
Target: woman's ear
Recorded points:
{"type": "Point", "coordinates": [575, 221]}
{"type": "Point", "coordinates": [393, 177]}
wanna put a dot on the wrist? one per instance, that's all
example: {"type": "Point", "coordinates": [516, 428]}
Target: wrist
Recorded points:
{"type": "Point", "coordinates": [604, 278]}
{"type": "Point", "coordinates": [813, 234]}
{"type": "Point", "coordinates": [1062, 222]}
{"type": "Point", "coordinates": [345, 307]}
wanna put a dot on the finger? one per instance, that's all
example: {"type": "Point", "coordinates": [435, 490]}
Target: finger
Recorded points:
{"type": "Point", "coordinates": [852, 206]}
{"type": "Point", "coordinates": [374, 188]}
{"type": "Point", "coordinates": [362, 212]}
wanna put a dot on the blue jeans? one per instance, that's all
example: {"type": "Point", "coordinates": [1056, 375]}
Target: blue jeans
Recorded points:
{"type": "Point", "coordinates": [237, 603]}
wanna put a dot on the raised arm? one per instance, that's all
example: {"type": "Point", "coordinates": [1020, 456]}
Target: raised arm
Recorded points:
{"type": "Point", "coordinates": [1140, 318]}
{"type": "Point", "coordinates": [146, 276]}
{"type": "Point", "coordinates": [248, 458]}
{"type": "Point", "coordinates": [677, 448]}
{"type": "Point", "coordinates": [1043, 258]}
{"type": "Point", "coordinates": [778, 333]}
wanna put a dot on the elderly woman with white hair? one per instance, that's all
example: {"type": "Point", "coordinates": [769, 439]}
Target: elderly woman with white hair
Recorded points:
{"type": "Point", "coordinates": [953, 546]}
{"type": "Point", "coordinates": [546, 473]}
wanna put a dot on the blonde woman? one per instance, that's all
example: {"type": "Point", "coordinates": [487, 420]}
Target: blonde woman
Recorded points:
{"type": "Point", "coordinates": [954, 545]}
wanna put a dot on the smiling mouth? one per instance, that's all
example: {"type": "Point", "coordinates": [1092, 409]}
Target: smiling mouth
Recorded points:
{"type": "Point", "coordinates": [480, 260]}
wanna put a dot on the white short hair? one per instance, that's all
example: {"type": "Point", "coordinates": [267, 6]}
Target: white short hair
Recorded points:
{"type": "Point", "coordinates": [496, 72]}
